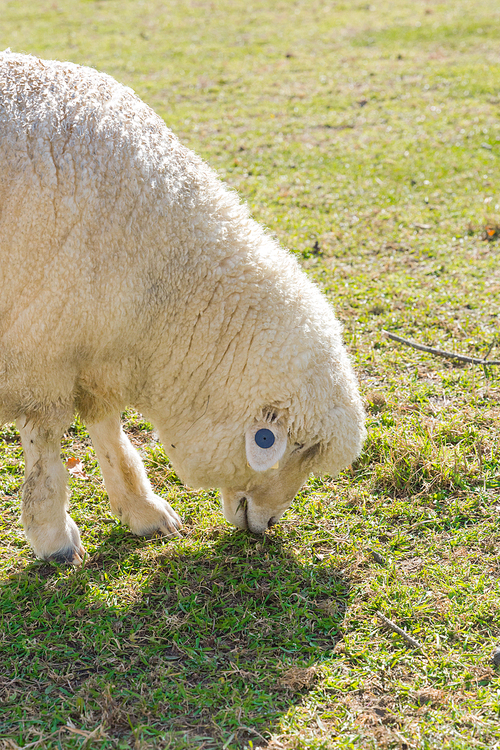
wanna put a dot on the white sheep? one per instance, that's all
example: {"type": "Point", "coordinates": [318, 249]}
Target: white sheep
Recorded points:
{"type": "Point", "coordinates": [131, 276]}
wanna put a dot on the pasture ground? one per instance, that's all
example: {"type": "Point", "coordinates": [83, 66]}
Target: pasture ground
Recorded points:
{"type": "Point", "coordinates": [367, 138]}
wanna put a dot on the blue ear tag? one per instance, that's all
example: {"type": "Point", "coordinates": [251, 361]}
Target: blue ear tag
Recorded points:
{"type": "Point", "coordinates": [264, 438]}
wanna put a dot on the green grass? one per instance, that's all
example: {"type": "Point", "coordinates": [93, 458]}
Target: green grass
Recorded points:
{"type": "Point", "coordinates": [366, 137]}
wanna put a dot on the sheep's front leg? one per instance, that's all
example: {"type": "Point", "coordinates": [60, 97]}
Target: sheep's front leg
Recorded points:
{"type": "Point", "coordinates": [130, 494]}
{"type": "Point", "coordinates": [49, 529]}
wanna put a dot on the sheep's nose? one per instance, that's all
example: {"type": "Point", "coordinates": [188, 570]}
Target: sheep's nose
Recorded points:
{"type": "Point", "coordinates": [271, 522]}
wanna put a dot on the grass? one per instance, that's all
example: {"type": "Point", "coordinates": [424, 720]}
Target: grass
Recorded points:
{"type": "Point", "coordinates": [366, 137]}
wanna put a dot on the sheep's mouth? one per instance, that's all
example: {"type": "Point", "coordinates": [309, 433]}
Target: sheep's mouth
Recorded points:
{"type": "Point", "coordinates": [244, 515]}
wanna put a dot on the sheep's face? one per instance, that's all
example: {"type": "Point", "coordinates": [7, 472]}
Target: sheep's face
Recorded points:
{"type": "Point", "coordinates": [258, 475]}
{"type": "Point", "coordinates": [275, 473]}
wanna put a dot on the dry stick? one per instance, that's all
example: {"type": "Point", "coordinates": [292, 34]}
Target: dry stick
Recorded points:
{"type": "Point", "coordinates": [253, 731]}
{"type": "Point", "coordinates": [441, 353]}
{"type": "Point", "coordinates": [392, 625]}
{"type": "Point", "coordinates": [489, 350]}
{"type": "Point", "coordinates": [485, 358]}
{"type": "Point", "coordinates": [74, 730]}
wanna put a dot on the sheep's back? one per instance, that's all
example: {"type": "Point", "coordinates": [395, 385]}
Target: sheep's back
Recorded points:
{"type": "Point", "coordinates": [99, 205]}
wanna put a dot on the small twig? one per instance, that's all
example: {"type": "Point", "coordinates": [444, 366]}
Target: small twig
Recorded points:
{"type": "Point", "coordinates": [35, 743]}
{"type": "Point", "coordinates": [440, 352]}
{"type": "Point", "coordinates": [396, 629]}
{"type": "Point", "coordinates": [95, 735]}
{"type": "Point", "coordinates": [490, 348]}
{"type": "Point", "coordinates": [81, 732]}
{"type": "Point", "coordinates": [486, 357]}
{"type": "Point", "coordinates": [252, 731]}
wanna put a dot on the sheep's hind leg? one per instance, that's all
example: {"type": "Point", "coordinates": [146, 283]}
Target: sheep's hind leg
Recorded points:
{"type": "Point", "coordinates": [49, 529]}
{"type": "Point", "coordinates": [130, 494]}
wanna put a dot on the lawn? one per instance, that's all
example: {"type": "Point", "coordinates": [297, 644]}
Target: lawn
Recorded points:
{"type": "Point", "coordinates": [366, 137]}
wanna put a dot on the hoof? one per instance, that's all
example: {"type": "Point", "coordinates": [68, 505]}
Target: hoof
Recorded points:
{"type": "Point", "coordinates": [158, 533]}
{"type": "Point", "coordinates": [58, 541]}
{"type": "Point", "coordinates": [68, 556]}
{"type": "Point", "coordinates": [154, 517]}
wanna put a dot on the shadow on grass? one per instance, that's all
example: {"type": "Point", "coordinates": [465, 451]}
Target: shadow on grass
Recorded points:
{"type": "Point", "coordinates": [202, 645]}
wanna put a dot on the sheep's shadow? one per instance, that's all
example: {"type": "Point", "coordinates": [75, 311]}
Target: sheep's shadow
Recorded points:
{"type": "Point", "coordinates": [214, 646]}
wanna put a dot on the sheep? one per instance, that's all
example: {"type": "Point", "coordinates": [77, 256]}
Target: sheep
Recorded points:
{"type": "Point", "coordinates": [131, 276]}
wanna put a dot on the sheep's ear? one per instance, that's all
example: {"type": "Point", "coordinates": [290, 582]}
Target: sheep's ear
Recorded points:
{"type": "Point", "coordinates": [265, 444]}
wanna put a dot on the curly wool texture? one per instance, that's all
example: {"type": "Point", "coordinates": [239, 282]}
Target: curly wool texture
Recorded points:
{"type": "Point", "coordinates": [131, 275]}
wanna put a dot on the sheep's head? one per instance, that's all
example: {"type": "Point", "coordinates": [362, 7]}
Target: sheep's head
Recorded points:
{"type": "Point", "coordinates": [260, 469]}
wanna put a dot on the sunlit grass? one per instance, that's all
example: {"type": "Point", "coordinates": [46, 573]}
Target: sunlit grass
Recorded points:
{"type": "Point", "coordinates": [366, 137]}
